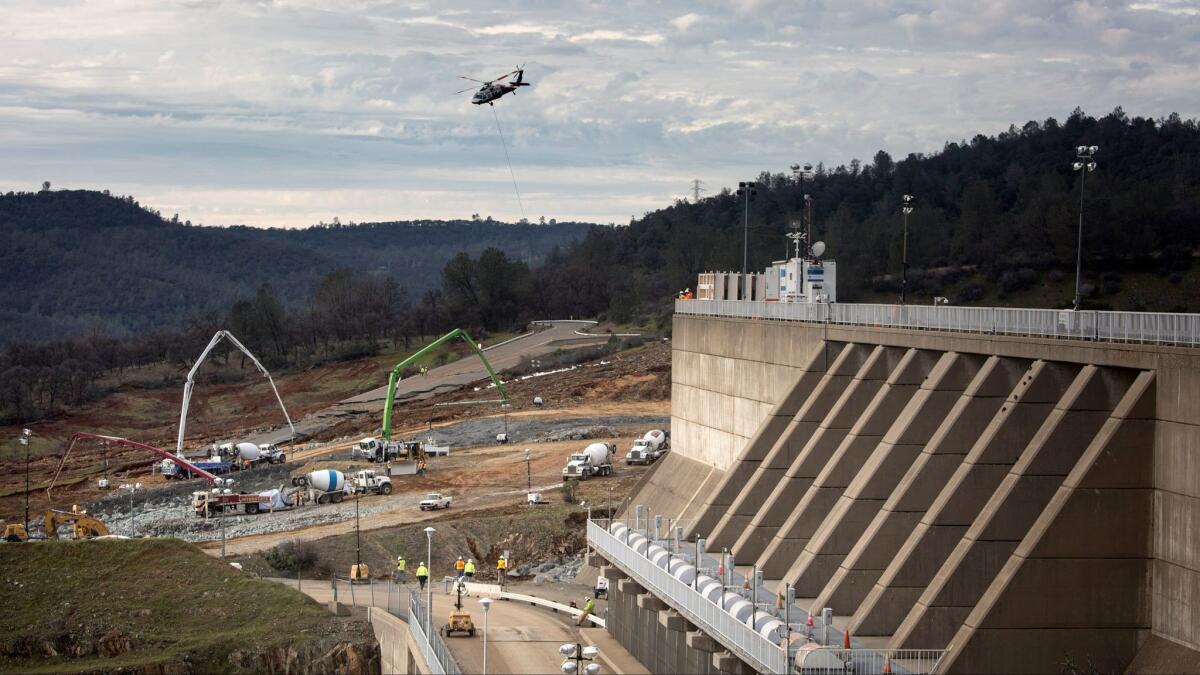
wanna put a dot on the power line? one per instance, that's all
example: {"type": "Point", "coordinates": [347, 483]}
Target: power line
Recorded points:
{"type": "Point", "coordinates": [507, 159]}
{"type": "Point", "coordinates": [697, 189]}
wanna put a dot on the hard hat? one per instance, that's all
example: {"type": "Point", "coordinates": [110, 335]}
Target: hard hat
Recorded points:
{"type": "Point", "coordinates": [460, 557]}
{"type": "Point", "coordinates": [470, 560]}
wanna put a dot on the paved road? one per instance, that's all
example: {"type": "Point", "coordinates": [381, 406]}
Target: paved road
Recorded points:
{"type": "Point", "coordinates": [551, 335]}
{"type": "Point", "coordinates": [521, 638]}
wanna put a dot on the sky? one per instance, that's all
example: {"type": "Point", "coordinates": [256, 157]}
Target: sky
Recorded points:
{"type": "Point", "coordinates": [289, 113]}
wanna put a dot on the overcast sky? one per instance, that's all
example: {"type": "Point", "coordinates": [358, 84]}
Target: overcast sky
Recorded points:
{"type": "Point", "coordinates": [287, 113]}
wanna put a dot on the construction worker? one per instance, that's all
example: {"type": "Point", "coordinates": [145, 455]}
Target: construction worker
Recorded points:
{"type": "Point", "coordinates": [687, 295]}
{"type": "Point", "coordinates": [422, 574]}
{"type": "Point", "coordinates": [588, 606]}
{"type": "Point", "coordinates": [401, 564]}
{"type": "Point", "coordinates": [459, 566]}
{"type": "Point", "coordinates": [501, 569]}
{"type": "Point", "coordinates": [469, 569]}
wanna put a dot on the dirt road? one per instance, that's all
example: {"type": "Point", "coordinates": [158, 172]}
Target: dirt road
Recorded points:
{"type": "Point", "coordinates": [554, 335]}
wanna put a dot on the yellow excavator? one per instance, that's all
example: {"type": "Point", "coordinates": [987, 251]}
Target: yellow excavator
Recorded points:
{"type": "Point", "coordinates": [82, 525]}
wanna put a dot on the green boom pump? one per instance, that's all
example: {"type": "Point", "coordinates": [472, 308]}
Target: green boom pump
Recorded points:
{"type": "Point", "coordinates": [394, 378]}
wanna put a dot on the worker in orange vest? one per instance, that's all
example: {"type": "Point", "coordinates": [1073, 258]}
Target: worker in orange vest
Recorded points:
{"type": "Point", "coordinates": [687, 295]}
{"type": "Point", "coordinates": [459, 566]}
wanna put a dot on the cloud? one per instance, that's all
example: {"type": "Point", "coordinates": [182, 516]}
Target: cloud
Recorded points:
{"type": "Point", "coordinates": [288, 113]}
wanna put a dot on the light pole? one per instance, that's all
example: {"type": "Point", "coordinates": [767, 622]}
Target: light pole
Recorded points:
{"type": "Point", "coordinates": [907, 208]}
{"type": "Point", "coordinates": [134, 487]}
{"type": "Point", "coordinates": [1084, 162]}
{"type": "Point", "coordinates": [746, 189]}
{"type": "Point", "coordinates": [576, 654]}
{"type": "Point", "coordinates": [486, 603]}
{"type": "Point", "coordinates": [800, 173]}
{"type": "Point", "coordinates": [429, 557]}
{"type": "Point", "coordinates": [528, 475]}
{"type": "Point", "coordinates": [25, 434]}
{"type": "Point", "coordinates": [227, 482]}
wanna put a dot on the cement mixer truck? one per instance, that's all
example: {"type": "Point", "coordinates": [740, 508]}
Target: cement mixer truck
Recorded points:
{"type": "Point", "coordinates": [248, 455]}
{"type": "Point", "coordinates": [595, 460]}
{"type": "Point", "coordinates": [324, 485]}
{"type": "Point", "coordinates": [647, 449]}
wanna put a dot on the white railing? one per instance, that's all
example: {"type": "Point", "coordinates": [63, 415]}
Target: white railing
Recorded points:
{"type": "Point", "coordinates": [762, 654]}
{"type": "Point", "coordinates": [838, 661]}
{"type": "Point", "coordinates": [436, 654]}
{"type": "Point", "coordinates": [1153, 328]}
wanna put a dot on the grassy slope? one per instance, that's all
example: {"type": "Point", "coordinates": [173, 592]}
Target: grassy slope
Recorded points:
{"type": "Point", "coordinates": [198, 606]}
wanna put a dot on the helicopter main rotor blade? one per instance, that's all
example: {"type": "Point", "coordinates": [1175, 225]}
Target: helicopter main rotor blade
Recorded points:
{"type": "Point", "coordinates": [461, 91]}
{"type": "Point", "coordinates": [464, 77]}
{"type": "Point", "coordinates": [505, 75]}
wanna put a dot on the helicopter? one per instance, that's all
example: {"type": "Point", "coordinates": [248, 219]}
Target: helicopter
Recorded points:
{"type": "Point", "coordinates": [494, 89]}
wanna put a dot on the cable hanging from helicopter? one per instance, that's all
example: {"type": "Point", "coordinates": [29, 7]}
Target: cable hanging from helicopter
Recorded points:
{"type": "Point", "coordinates": [488, 93]}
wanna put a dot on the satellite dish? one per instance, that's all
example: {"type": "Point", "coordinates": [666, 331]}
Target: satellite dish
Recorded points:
{"type": "Point", "coordinates": [818, 248]}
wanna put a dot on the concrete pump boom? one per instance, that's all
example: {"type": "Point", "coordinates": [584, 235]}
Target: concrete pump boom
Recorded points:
{"type": "Point", "coordinates": [191, 381]}
{"type": "Point", "coordinates": [394, 378]}
{"type": "Point", "coordinates": [179, 460]}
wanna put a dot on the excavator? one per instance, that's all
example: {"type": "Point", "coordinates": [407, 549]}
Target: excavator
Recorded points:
{"type": "Point", "coordinates": [409, 453]}
{"type": "Point", "coordinates": [82, 525]}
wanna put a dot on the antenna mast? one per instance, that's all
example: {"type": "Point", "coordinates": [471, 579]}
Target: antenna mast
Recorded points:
{"type": "Point", "coordinates": [697, 189]}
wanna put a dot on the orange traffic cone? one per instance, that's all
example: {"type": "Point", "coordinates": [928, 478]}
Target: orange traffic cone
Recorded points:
{"type": "Point", "coordinates": [809, 623]}
{"type": "Point", "coordinates": [846, 639]}
{"type": "Point", "coordinates": [887, 665]}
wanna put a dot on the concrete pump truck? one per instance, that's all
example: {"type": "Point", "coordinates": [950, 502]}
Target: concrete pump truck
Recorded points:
{"type": "Point", "coordinates": [406, 454]}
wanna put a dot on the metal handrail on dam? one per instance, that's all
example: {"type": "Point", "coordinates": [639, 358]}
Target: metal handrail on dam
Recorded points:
{"type": "Point", "coordinates": [762, 654]}
{"type": "Point", "coordinates": [436, 654]}
{"type": "Point", "coordinates": [706, 604]}
{"type": "Point", "coordinates": [1147, 327]}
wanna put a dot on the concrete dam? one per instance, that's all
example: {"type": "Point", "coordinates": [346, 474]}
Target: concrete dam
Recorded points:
{"type": "Point", "coordinates": [963, 502]}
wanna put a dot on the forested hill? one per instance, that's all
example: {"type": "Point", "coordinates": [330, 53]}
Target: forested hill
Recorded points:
{"type": "Point", "coordinates": [995, 222]}
{"type": "Point", "coordinates": [75, 261]}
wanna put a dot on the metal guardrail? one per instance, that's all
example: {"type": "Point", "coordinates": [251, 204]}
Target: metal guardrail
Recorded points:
{"type": "Point", "coordinates": [1145, 327]}
{"type": "Point", "coordinates": [761, 653]}
{"type": "Point", "coordinates": [436, 654]}
{"type": "Point", "coordinates": [838, 661]}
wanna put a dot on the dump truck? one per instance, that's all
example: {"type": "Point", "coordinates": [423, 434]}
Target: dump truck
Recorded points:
{"type": "Point", "coordinates": [595, 460]}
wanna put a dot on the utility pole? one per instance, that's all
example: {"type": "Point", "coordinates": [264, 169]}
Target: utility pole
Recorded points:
{"type": "Point", "coordinates": [746, 189]}
{"type": "Point", "coordinates": [1084, 162]}
{"type": "Point", "coordinates": [696, 190]}
{"type": "Point", "coordinates": [357, 540]}
{"type": "Point", "coordinates": [906, 209]}
{"type": "Point", "coordinates": [25, 434]}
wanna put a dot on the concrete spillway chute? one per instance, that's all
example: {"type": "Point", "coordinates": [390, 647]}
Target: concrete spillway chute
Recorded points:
{"type": "Point", "coordinates": [191, 382]}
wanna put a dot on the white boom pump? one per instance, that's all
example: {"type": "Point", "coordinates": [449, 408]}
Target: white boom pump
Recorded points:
{"type": "Point", "coordinates": [191, 381]}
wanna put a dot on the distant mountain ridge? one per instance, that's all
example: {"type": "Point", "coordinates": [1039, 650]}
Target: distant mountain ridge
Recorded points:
{"type": "Point", "coordinates": [75, 261]}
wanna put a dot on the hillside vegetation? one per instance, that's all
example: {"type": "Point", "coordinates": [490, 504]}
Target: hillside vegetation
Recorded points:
{"type": "Point", "coordinates": [995, 215]}
{"type": "Point", "coordinates": [76, 262]}
{"type": "Point", "coordinates": [160, 605]}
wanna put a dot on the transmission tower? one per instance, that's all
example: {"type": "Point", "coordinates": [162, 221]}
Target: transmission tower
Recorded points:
{"type": "Point", "coordinates": [697, 188]}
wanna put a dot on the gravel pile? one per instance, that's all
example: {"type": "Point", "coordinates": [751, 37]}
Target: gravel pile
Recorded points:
{"type": "Point", "coordinates": [575, 434]}
{"type": "Point", "coordinates": [554, 571]}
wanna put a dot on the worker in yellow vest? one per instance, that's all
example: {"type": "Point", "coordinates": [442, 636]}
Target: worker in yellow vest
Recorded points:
{"type": "Point", "coordinates": [588, 607]}
{"type": "Point", "coordinates": [469, 569]}
{"type": "Point", "coordinates": [501, 569]}
{"type": "Point", "coordinates": [401, 564]}
{"type": "Point", "coordinates": [422, 574]}
{"type": "Point", "coordinates": [459, 566]}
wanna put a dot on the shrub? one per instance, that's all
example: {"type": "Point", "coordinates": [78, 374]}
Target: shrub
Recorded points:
{"type": "Point", "coordinates": [293, 556]}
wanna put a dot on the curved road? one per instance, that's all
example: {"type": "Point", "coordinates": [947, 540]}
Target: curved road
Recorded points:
{"type": "Point", "coordinates": [554, 335]}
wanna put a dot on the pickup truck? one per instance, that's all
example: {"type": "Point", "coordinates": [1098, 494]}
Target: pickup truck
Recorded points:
{"type": "Point", "coordinates": [434, 501]}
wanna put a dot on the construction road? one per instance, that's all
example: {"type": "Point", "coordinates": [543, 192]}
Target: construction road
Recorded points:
{"type": "Point", "coordinates": [551, 335]}
{"type": "Point", "coordinates": [521, 638]}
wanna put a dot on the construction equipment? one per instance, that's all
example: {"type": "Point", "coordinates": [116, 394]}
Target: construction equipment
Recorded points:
{"type": "Point", "coordinates": [595, 460]}
{"type": "Point", "coordinates": [15, 532]}
{"type": "Point", "coordinates": [83, 526]}
{"type": "Point", "coordinates": [208, 504]}
{"type": "Point", "coordinates": [367, 482]}
{"type": "Point", "coordinates": [178, 460]}
{"type": "Point", "coordinates": [191, 382]}
{"type": "Point", "coordinates": [409, 453]}
{"type": "Point", "coordinates": [459, 620]}
{"type": "Point", "coordinates": [324, 485]}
